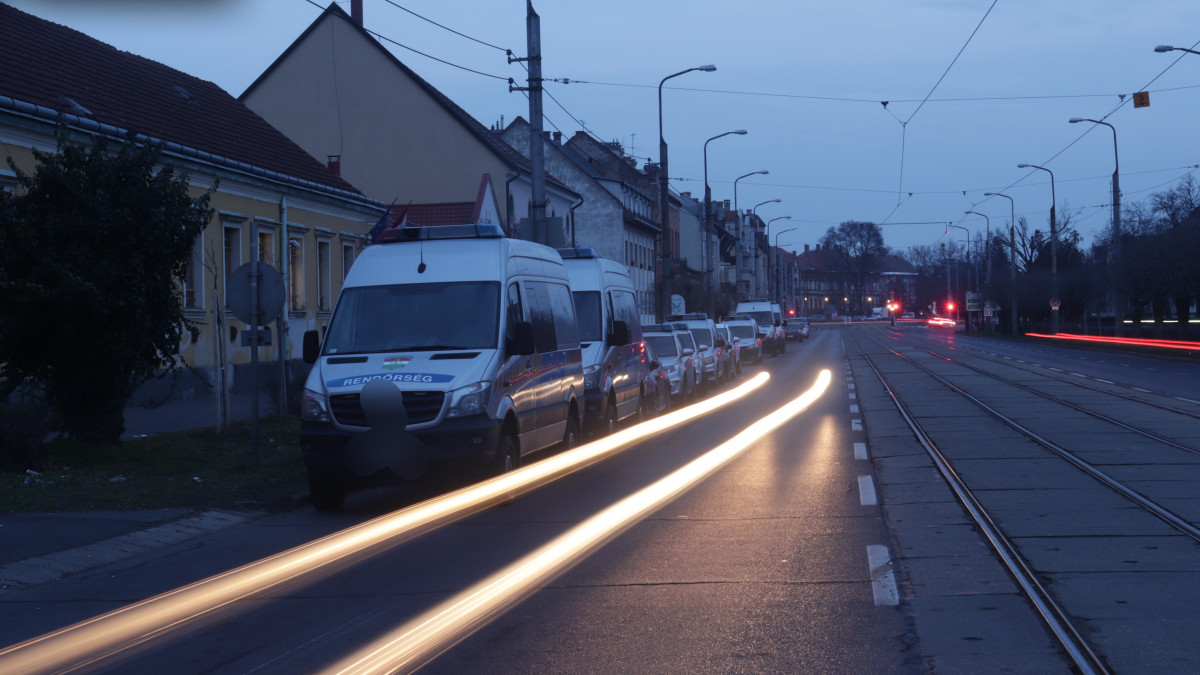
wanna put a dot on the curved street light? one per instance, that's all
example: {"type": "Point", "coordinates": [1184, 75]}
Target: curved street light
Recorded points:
{"type": "Point", "coordinates": [775, 253]}
{"type": "Point", "coordinates": [1116, 217]}
{"type": "Point", "coordinates": [737, 276]}
{"type": "Point", "coordinates": [1054, 301]}
{"type": "Point", "coordinates": [664, 204]}
{"type": "Point", "coordinates": [707, 250]}
{"type": "Point", "coordinates": [1169, 48]}
{"type": "Point", "coordinates": [1012, 249]}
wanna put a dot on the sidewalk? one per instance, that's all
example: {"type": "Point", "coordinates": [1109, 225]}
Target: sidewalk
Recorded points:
{"type": "Point", "coordinates": [37, 548]}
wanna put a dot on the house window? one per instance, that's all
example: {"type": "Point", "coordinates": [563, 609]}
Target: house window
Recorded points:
{"type": "Point", "coordinates": [231, 256]}
{"type": "Point", "coordinates": [296, 272]}
{"type": "Point", "coordinates": [266, 246]}
{"type": "Point", "coordinates": [324, 275]}
{"type": "Point", "coordinates": [347, 258]}
{"type": "Point", "coordinates": [193, 276]}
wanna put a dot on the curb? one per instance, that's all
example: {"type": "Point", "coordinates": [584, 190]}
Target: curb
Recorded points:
{"type": "Point", "coordinates": [43, 569]}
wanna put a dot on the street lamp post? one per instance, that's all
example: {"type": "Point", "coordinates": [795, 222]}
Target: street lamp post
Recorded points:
{"type": "Point", "coordinates": [968, 289]}
{"type": "Point", "coordinates": [737, 280]}
{"type": "Point", "coordinates": [1054, 300]}
{"type": "Point", "coordinates": [664, 204]}
{"type": "Point", "coordinates": [1169, 48]}
{"type": "Point", "coordinates": [707, 251]}
{"type": "Point", "coordinates": [987, 242]}
{"type": "Point", "coordinates": [1118, 306]}
{"type": "Point", "coordinates": [754, 212]}
{"type": "Point", "coordinates": [1012, 252]}
{"type": "Point", "coordinates": [775, 255]}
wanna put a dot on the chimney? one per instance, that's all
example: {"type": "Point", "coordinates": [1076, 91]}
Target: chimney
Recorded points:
{"type": "Point", "coordinates": [335, 164]}
{"type": "Point", "coordinates": [727, 207]}
{"type": "Point", "coordinates": [356, 12]}
{"type": "Point", "coordinates": [806, 248]}
{"type": "Point", "coordinates": [557, 137]}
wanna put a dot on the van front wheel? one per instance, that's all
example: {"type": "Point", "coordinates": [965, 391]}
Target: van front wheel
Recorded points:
{"type": "Point", "coordinates": [507, 458]}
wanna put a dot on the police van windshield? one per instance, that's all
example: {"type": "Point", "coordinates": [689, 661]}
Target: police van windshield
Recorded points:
{"type": "Point", "coordinates": [764, 318]}
{"type": "Point", "coordinates": [587, 313]}
{"type": "Point", "coordinates": [742, 331]}
{"type": "Point", "coordinates": [415, 317]}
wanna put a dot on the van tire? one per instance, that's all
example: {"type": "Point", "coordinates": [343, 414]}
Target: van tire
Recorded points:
{"type": "Point", "coordinates": [571, 435]}
{"type": "Point", "coordinates": [507, 458]}
{"type": "Point", "coordinates": [326, 493]}
{"type": "Point", "coordinates": [610, 417]}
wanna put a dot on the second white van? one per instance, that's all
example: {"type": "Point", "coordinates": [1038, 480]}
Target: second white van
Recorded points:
{"type": "Point", "coordinates": [610, 334]}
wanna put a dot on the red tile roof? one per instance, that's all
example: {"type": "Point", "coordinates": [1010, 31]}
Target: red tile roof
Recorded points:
{"type": "Point", "coordinates": [51, 66]}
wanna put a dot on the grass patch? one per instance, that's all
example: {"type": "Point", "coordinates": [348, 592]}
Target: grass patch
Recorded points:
{"type": "Point", "coordinates": [183, 469]}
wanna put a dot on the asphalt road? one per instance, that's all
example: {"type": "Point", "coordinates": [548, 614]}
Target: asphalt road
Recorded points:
{"type": "Point", "coordinates": [762, 567]}
{"type": "Point", "coordinates": [789, 558]}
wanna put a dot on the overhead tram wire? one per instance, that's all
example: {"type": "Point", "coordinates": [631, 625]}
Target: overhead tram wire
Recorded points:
{"type": "Point", "coordinates": [928, 98]}
{"type": "Point", "coordinates": [1124, 99]}
{"type": "Point", "coordinates": [445, 28]}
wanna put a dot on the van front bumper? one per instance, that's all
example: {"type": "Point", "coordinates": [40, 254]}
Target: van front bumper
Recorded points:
{"type": "Point", "coordinates": [342, 454]}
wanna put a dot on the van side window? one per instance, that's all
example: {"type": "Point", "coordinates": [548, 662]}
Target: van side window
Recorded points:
{"type": "Point", "coordinates": [565, 327]}
{"type": "Point", "coordinates": [625, 309]}
{"type": "Point", "coordinates": [541, 314]}
{"type": "Point", "coordinates": [513, 310]}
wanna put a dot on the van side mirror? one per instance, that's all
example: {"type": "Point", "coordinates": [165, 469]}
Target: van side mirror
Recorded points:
{"type": "Point", "coordinates": [778, 322]}
{"type": "Point", "coordinates": [785, 322]}
{"type": "Point", "coordinates": [521, 343]}
{"type": "Point", "coordinates": [619, 337]}
{"type": "Point", "coordinates": [721, 342]}
{"type": "Point", "coordinates": [312, 346]}
{"type": "Point", "coordinates": [655, 364]}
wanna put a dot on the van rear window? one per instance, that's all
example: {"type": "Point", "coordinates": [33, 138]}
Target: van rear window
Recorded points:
{"type": "Point", "coordinates": [662, 345]}
{"type": "Point", "coordinates": [415, 317]}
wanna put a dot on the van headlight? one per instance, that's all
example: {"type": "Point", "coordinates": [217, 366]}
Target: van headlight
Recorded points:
{"type": "Point", "coordinates": [591, 377]}
{"type": "Point", "coordinates": [470, 400]}
{"type": "Point", "coordinates": [314, 407]}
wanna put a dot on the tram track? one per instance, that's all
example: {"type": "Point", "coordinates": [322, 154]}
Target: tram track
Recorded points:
{"type": "Point", "coordinates": [947, 452]}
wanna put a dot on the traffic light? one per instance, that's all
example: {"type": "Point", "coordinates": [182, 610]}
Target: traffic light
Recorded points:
{"type": "Point", "coordinates": [791, 312]}
{"type": "Point", "coordinates": [949, 306]}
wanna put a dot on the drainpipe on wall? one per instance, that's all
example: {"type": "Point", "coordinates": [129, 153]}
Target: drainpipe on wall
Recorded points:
{"type": "Point", "coordinates": [508, 211]}
{"type": "Point", "coordinates": [281, 323]}
{"type": "Point", "coordinates": [573, 207]}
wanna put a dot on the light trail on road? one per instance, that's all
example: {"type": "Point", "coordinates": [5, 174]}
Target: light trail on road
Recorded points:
{"type": "Point", "coordinates": [425, 637]}
{"type": "Point", "coordinates": [107, 635]}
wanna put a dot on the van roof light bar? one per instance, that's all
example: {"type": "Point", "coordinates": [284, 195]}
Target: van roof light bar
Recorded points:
{"type": "Point", "coordinates": [435, 232]}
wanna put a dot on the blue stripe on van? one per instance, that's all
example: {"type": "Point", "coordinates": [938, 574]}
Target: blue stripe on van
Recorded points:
{"type": "Point", "coordinates": [422, 378]}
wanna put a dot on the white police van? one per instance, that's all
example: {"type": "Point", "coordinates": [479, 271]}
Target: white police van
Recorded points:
{"type": "Point", "coordinates": [610, 333]}
{"type": "Point", "coordinates": [770, 324]}
{"type": "Point", "coordinates": [448, 344]}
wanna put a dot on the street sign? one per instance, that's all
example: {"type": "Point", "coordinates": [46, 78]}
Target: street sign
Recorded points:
{"type": "Point", "coordinates": [1141, 99]}
{"type": "Point", "coordinates": [270, 293]}
{"type": "Point", "coordinates": [255, 338]}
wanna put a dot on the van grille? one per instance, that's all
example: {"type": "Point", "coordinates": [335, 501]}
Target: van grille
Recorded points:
{"type": "Point", "coordinates": [422, 406]}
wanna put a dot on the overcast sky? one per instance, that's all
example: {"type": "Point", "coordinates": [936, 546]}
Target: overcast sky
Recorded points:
{"type": "Point", "coordinates": [806, 78]}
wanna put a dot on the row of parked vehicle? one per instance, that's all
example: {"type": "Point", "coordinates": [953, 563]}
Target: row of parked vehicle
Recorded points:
{"type": "Point", "coordinates": [457, 346]}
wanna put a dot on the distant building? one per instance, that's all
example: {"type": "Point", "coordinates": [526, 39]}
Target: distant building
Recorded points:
{"type": "Point", "coordinates": [825, 284]}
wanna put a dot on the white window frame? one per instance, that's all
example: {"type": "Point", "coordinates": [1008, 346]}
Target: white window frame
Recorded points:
{"type": "Point", "coordinates": [296, 280]}
{"type": "Point", "coordinates": [324, 274]}
{"type": "Point", "coordinates": [231, 252]}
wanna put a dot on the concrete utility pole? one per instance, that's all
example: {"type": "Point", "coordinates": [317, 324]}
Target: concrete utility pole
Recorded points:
{"type": "Point", "coordinates": [537, 160]}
